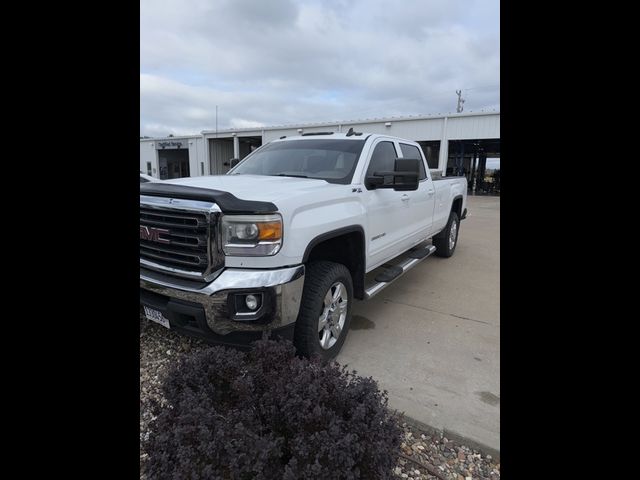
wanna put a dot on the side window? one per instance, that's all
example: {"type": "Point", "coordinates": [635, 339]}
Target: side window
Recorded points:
{"type": "Point", "coordinates": [383, 158]}
{"type": "Point", "coordinates": [411, 151]}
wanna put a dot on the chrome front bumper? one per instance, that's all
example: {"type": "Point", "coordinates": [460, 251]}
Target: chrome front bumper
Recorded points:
{"type": "Point", "coordinates": [284, 286]}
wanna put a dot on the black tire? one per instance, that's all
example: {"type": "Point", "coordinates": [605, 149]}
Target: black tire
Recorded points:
{"type": "Point", "coordinates": [320, 276]}
{"type": "Point", "coordinates": [441, 241]}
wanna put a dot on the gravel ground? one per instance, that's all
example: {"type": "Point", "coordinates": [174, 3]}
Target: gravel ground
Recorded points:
{"type": "Point", "coordinates": [423, 456]}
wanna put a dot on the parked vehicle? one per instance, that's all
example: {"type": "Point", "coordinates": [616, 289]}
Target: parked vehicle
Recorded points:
{"type": "Point", "coordinates": [147, 178]}
{"type": "Point", "coordinates": [290, 236]}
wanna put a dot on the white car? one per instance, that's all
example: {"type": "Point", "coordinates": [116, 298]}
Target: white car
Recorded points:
{"type": "Point", "coordinates": [147, 178]}
{"type": "Point", "coordinates": [288, 239]}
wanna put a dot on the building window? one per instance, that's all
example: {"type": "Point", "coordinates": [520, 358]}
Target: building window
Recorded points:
{"type": "Point", "coordinates": [148, 168]}
{"type": "Point", "coordinates": [201, 168]}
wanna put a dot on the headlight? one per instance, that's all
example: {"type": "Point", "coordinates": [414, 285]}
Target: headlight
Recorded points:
{"type": "Point", "coordinates": [251, 235]}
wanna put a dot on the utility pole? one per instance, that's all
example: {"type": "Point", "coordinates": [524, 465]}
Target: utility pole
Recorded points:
{"type": "Point", "coordinates": [215, 147]}
{"type": "Point", "coordinates": [459, 108]}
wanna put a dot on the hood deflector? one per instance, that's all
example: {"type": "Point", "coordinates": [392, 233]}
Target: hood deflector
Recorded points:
{"type": "Point", "coordinates": [227, 202]}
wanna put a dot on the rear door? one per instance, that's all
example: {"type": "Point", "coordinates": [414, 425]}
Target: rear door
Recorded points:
{"type": "Point", "coordinates": [421, 202]}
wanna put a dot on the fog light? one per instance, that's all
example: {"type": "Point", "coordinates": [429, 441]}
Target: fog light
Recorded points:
{"type": "Point", "coordinates": [251, 301]}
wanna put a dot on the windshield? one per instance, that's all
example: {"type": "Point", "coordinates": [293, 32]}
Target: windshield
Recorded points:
{"type": "Point", "coordinates": [330, 160]}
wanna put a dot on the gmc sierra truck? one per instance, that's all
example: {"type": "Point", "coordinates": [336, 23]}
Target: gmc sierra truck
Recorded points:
{"type": "Point", "coordinates": [284, 242]}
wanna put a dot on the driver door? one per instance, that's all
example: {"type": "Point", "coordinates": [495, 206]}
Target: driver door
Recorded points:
{"type": "Point", "coordinates": [389, 216]}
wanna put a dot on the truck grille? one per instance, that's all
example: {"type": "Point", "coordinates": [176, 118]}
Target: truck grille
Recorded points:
{"type": "Point", "coordinates": [177, 241]}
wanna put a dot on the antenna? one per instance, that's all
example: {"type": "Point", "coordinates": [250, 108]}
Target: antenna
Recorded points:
{"type": "Point", "coordinates": [459, 108]}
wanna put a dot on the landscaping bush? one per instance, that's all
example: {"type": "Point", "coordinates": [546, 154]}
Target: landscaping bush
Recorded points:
{"type": "Point", "coordinates": [267, 414]}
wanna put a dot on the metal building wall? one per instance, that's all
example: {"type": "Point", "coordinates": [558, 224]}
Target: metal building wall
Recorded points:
{"type": "Point", "coordinates": [197, 157]}
{"type": "Point", "coordinates": [195, 145]}
{"type": "Point", "coordinates": [465, 126]}
{"type": "Point", "coordinates": [220, 151]}
{"type": "Point", "coordinates": [274, 134]}
{"type": "Point", "coordinates": [459, 127]}
{"type": "Point", "coordinates": [473, 127]}
{"type": "Point", "coordinates": [148, 154]}
{"type": "Point", "coordinates": [427, 129]}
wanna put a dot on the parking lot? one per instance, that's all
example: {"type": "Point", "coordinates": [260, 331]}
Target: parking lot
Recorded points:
{"type": "Point", "coordinates": [432, 339]}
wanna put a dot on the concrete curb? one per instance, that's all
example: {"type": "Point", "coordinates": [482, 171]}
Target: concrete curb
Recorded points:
{"type": "Point", "coordinates": [450, 435]}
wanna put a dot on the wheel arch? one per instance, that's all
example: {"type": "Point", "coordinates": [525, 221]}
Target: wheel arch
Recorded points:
{"type": "Point", "coordinates": [344, 245]}
{"type": "Point", "coordinates": [456, 205]}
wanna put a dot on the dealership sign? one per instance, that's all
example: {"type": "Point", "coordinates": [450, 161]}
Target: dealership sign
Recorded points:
{"type": "Point", "coordinates": [170, 144]}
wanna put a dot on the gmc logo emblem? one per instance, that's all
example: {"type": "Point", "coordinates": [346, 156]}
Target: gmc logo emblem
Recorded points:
{"type": "Point", "coordinates": [153, 234]}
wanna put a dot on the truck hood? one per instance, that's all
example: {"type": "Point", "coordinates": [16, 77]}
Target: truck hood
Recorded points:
{"type": "Point", "coordinates": [260, 187]}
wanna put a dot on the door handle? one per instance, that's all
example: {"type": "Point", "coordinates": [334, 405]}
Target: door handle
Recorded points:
{"type": "Point", "coordinates": [430, 192]}
{"type": "Point", "coordinates": [405, 198]}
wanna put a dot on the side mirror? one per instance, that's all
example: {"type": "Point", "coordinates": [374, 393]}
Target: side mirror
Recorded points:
{"type": "Point", "coordinates": [234, 161]}
{"type": "Point", "coordinates": [405, 177]}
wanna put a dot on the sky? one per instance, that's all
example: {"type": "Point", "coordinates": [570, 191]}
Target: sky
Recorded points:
{"type": "Point", "coordinates": [493, 163]}
{"type": "Point", "coordinates": [281, 62]}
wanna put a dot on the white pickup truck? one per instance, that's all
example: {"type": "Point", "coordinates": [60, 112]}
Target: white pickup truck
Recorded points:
{"type": "Point", "coordinates": [290, 236]}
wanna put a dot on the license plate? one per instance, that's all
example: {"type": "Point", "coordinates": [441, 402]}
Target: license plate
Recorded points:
{"type": "Point", "coordinates": [156, 316]}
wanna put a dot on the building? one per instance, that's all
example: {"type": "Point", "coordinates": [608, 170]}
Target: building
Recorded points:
{"type": "Point", "coordinates": [455, 144]}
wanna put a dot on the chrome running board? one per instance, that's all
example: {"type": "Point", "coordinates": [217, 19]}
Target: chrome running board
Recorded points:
{"type": "Point", "coordinates": [397, 271]}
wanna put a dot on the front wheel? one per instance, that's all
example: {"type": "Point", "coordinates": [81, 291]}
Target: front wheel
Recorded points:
{"type": "Point", "coordinates": [447, 240]}
{"type": "Point", "coordinates": [325, 310]}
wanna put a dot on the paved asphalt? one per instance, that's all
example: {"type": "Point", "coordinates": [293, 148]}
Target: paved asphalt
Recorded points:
{"type": "Point", "coordinates": [432, 339]}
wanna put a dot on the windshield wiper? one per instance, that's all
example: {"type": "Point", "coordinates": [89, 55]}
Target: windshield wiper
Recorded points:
{"type": "Point", "coordinates": [288, 175]}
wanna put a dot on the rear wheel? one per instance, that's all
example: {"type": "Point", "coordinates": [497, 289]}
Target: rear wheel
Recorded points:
{"type": "Point", "coordinates": [325, 310]}
{"type": "Point", "coordinates": [447, 240]}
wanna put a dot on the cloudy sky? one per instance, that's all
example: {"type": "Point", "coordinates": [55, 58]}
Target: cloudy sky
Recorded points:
{"type": "Point", "coordinates": [275, 62]}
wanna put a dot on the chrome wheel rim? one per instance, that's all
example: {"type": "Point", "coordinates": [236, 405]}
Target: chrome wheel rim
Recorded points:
{"type": "Point", "coordinates": [334, 314]}
{"type": "Point", "coordinates": [453, 235]}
